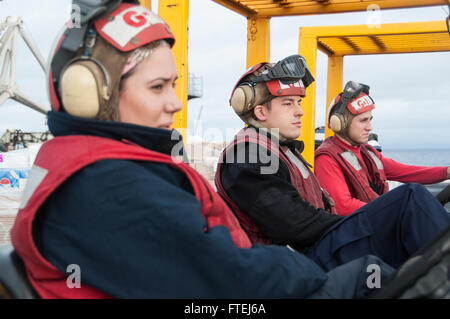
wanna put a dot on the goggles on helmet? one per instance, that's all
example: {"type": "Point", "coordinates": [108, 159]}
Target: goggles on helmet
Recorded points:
{"type": "Point", "coordinates": [289, 70]}
{"type": "Point", "coordinates": [90, 9]}
{"type": "Point", "coordinates": [353, 89]}
{"type": "Point", "coordinates": [355, 98]}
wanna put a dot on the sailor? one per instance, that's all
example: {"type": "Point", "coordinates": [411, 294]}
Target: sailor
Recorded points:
{"type": "Point", "coordinates": [352, 171]}
{"type": "Point", "coordinates": [108, 210]}
{"type": "Point", "coordinates": [278, 200]}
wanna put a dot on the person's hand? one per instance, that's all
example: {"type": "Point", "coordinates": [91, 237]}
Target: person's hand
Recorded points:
{"type": "Point", "coordinates": [448, 172]}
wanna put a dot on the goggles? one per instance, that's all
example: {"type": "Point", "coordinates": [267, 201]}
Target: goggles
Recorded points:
{"type": "Point", "coordinates": [353, 89]}
{"type": "Point", "coordinates": [355, 98]}
{"type": "Point", "coordinates": [289, 70]}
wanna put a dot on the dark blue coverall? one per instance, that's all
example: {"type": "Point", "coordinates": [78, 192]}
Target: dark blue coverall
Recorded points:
{"type": "Point", "coordinates": [392, 227]}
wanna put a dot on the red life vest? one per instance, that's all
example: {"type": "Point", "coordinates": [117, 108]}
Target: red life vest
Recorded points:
{"type": "Point", "coordinates": [357, 179]}
{"type": "Point", "coordinates": [302, 178]}
{"type": "Point", "coordinates": [60, 158]}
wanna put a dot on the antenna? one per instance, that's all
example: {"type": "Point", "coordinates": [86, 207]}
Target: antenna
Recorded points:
{"type": "Point", "coordinates": [198, 119]}
{"type": "Point", "coordinates": [8, 50]}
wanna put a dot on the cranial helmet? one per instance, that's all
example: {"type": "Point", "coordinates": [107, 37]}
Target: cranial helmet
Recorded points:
{"type": "Point", "coordinates": [87, 62]}
{"type": "Point", "coordinates": [352, 101]}
{"type": "Point", "coordinates": [265, 81]}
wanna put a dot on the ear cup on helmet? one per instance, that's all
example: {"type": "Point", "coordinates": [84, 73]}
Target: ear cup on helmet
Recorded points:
{"type": "Point", "coordinates": [83, 88]}
{"type": "Point", "coordinates": [242, 98]}
{"type": "Point", "coordinates": [246, 96]}
{"type": "Point", "coordinates": [337, 123]}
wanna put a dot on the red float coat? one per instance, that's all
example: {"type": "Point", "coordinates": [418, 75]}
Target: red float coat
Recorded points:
{"type": "Point", "coordinates": [301, 178]}
{"type": "Point", "coordinates": [346, 172]}
{"type": "Point", "coordinates": [60, 158]}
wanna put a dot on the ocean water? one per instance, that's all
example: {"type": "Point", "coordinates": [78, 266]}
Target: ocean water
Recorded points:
{"type": "Point", "coordinates": [422, 157]}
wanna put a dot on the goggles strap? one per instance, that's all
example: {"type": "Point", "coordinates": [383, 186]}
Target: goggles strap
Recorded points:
{"type": "Point", "coordinates": [288, 70]}
{"type": "Point", "coordinates": [351, 91]}
{"type": "Point", "coordinates": [75, 38]}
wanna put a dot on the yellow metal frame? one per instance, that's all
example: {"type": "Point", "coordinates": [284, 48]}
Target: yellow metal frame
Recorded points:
{"type": "Point", "coordinates": [258, 41]}
{"type": "Point", "coordinates": [146, 3]}
{"type": "Point", "coordinates": [339, 41]}
{"type": "Point", "coordinates": [258, 13]}
{"type": "Point", "coordinates": [271, 8]}
{"type": "Point", "coordinates": [176, 13]}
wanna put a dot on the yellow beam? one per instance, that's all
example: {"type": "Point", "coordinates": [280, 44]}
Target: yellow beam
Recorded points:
{"type": "Point", "coordinates": [419, 43]}
{"type": "Point", "coordinates": [236, 7]}
{"type": "Point", "coordinates": [258, 41]}
{"type": "Point", "coordinates": [334, 84]}
{"type": "Point", "coordinates": [265, 8]}
{"type": "Point", "coordinates": [176, 13]}
{"type": "Point", "coordinates": [308, 49]}
{"type": "Point", "coordinates": [414, 37]}
{"type": "Point", "coordinates": [388, 38]}
{"type": "Point", "coordinates": [146, 3]}
{"type": "Point", "coordinates": [383, 29]}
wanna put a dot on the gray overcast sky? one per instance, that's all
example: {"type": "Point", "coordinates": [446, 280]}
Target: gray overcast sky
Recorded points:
{"type": "Point", "coordinates": [411, 91]}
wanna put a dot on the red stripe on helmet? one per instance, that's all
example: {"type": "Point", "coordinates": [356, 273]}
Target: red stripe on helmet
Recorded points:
{"type": "Point", "coordinates": [276, 88]}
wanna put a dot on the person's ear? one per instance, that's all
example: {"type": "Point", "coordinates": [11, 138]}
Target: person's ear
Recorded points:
{"type": "Point", "coordinates": [260, 113]}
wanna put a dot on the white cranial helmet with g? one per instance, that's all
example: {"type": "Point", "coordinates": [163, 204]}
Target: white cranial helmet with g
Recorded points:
{"type": "Point", "coordinates": [88, 62]}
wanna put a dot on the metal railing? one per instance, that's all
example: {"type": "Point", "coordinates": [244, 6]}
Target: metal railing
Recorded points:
{"type": "Point", "coordinates": [12, 140]}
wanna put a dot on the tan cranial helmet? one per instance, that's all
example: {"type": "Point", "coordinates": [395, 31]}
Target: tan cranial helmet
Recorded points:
{"type": "Point", "coordinates": [246, 95]}
{"type": "Point", "coordinates": [346, 105]}
{"type": "Point", "coordinates": [265, 81]}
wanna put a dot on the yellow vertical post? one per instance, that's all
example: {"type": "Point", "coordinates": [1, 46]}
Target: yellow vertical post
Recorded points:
{"type": "Point", "coordinates": [308, 49]}
{"type": "Point", "coordinates": [334, 84]}
{"type": "Point", "coordinates": [176, 13]}
{"type": "Point", "coordinates": [258, 41]}
{"type": "Point", "coordinates": [146, 3]}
